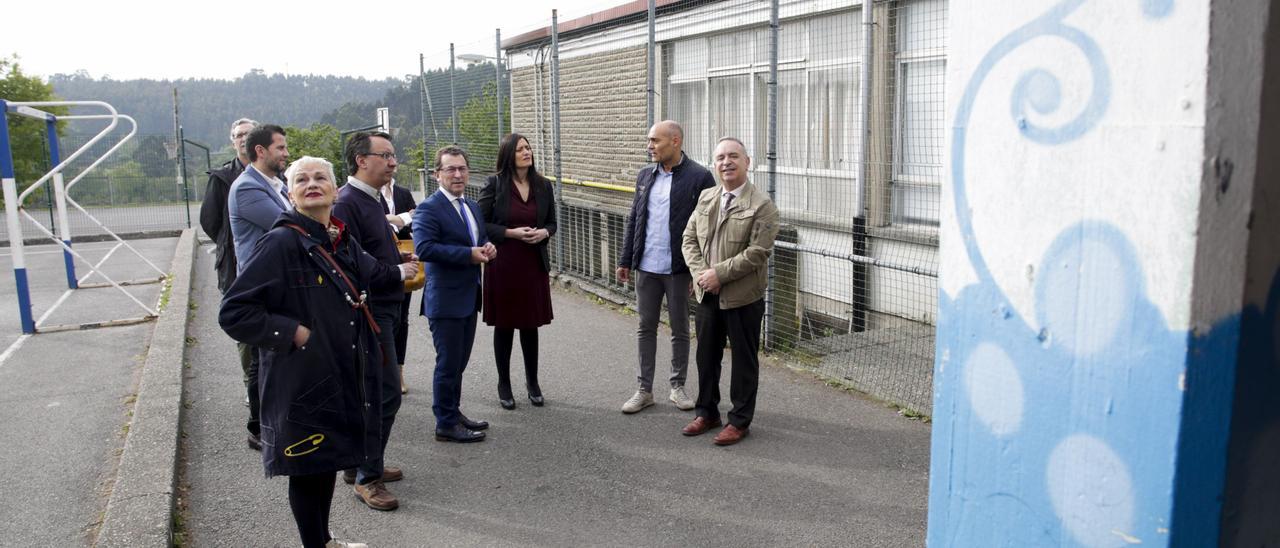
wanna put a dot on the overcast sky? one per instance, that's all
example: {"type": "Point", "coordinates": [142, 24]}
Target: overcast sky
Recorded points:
{"type": "Point", "coordinates": [181, 39]}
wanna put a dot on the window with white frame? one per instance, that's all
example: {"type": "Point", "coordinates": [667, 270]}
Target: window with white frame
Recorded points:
{"type": "Point", "coordinates": [717, 86]}
{"type": "Point", "coordinates": [921, 27]}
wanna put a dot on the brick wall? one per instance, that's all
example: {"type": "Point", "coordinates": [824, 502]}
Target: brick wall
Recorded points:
{"type": "Point", "coordinates": [603, 122]}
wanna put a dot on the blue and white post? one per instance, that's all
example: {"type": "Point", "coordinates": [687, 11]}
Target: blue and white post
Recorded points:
{"type": "Point", "coordinates": [1108, 342]}
{"type": "Point", "coordinates": [60, 199]}
{"type": "Point", "coordinates": [8, 179]}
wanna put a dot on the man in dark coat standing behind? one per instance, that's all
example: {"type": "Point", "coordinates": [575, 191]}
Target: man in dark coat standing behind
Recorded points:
{"type": "Point", "coordinates": [215, 220]}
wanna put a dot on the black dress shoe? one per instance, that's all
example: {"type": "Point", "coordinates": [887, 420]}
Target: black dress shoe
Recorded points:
{"type": "Point", "coordinates": [535, 395]}
{"type": "Point", "coordinates": [255, 442]}
{"type": "Point", "coordinates": [507, 404]}
{"type": "Point", "coordinates": [459, 434]}
{"type": "Point", "coordinates": [473, 425]}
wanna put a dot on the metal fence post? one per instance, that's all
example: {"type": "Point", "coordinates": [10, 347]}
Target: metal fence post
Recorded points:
{"type": "Point", "coordinates": [422, 105]}
{"type": "Point", "coordinates": [182, 172]}
{"type": "Point", "coordinates": [179, 176]}
{"type": "Point", "coordinates": [453, 99]}
{"type": "Point", "coordinates": [649, 91]}
{"type": "Point", "coordinates": [497, 67]}
{"type": "Point", "coordinates": [772, 157]}
{"type": "Point", "coordinates": [555, 134]}
{"type": "Point", "coordinates": [48, 196]}
{"type": "Point", "coordinates": [860, 217]}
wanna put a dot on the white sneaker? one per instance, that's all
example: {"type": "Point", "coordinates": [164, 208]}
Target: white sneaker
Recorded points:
{"type": "Point", "coordinates": [335, 543]}
{"type": "Point", "coordinates": [637, 402]}
{"type": "Point", "coordinates": [681, 399]}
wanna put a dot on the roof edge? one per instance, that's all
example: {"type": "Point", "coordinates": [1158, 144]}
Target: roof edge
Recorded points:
{"type": "Point", "coordinates": [587, 21]}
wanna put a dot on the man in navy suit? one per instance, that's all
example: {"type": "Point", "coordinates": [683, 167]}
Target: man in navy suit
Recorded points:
{"type": "Point", "coordinates": [448, 237]}
{"type": "Point", "coordinates": [256, 199]}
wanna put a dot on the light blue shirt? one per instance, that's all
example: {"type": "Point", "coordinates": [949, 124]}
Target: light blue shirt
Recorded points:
{"type": "Point", "coordinates": [657, 241]}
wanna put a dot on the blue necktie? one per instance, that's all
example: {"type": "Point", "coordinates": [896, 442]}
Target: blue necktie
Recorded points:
{"type": "Point", "coordinates": [465, 223]}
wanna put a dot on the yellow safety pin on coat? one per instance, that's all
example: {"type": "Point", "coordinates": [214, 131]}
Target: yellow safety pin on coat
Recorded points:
{"type": "Point", "coordinates": [315, 440]}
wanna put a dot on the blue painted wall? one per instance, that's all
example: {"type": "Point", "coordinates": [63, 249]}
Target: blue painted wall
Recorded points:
{"type": "Point", "coordinates": [1078, 402]}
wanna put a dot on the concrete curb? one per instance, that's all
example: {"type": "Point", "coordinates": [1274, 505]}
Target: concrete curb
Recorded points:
{"type": "Point", "coordinates": [140, 510]}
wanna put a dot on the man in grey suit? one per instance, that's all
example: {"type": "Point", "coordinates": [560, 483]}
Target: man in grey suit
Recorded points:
{"type": "Point", "coordinates": [256, 198]}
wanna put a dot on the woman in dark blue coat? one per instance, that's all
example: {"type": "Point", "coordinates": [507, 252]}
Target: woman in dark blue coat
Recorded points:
{"type": "Point", "coordinates": [300, 299]}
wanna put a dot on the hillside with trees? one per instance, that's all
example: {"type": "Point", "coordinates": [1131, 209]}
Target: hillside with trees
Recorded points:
{"type": "Point", "coordinates": [316, 110]}
{"type": "Point", "coordinates": [208, 106]}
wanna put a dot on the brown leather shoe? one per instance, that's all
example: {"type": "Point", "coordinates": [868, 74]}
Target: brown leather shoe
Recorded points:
{"type": "Point", "coordinates": [700, 425]}
{"type": "Point", "coordinates": [376, 496]}
{"type": "Point", "coordinates": [730, 435]}
{"type": "Point", "coordinates": [391, 473]}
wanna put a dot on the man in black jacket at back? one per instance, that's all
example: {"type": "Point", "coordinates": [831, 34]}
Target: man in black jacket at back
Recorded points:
{"type": "Point", "coordinates": [216, 222]}
{"type": "Point", "coordinates": [214, 218]}
{"type": "Point", "coordinates": [666, 193]}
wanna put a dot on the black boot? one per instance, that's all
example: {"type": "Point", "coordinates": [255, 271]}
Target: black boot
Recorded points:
{"type": "Point", "coordinates": [505, 399]}
{"type": "Point", "coordinates": [529, 348]}
{"type": "Point", "coordinates": [502, 339]}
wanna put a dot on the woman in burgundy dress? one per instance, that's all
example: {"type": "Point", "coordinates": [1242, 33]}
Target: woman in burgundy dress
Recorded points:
{"type": "Point", "coordinates": [519, 215]}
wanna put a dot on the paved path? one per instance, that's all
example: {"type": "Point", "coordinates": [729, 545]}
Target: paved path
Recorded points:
{"type": "Point", "coordinates": [66, 395]}
{"type": "Point", "coordinates": [822, 467]}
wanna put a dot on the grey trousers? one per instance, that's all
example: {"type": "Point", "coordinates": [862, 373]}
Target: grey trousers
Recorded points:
{"type": "Point", "coordinates": [650, 289]}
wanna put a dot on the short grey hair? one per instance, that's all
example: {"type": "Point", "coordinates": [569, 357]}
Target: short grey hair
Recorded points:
{"type": "Point", "coordinates": [298, 164]}
{"type": "Point", "coordinates": [239, 122]}
{"type": "Point", "coordinates": [735, 140]}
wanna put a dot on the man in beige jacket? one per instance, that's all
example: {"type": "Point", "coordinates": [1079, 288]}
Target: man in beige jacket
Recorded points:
{"type": "Point", "coordinates": [727, 245]}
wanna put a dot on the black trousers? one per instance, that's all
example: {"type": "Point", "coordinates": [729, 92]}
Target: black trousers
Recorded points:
{"type": "Point", "coordinates": [402, 329]}
{"type": "Point", "coordinates": [310, 498]}
{"type": "Point", "coordinates": [741, 328]}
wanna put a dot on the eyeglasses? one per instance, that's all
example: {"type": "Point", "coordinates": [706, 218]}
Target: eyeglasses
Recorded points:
{"type": "Point", "coordinates": [239, 135]}
{"type": "Point", "coordinates": [453, 169]}
{"type": "Point", "coordinates": [388, 156]}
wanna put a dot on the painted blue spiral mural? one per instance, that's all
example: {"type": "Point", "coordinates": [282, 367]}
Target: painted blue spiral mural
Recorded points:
{"type": "Point", "coordinates": [1067, 433]}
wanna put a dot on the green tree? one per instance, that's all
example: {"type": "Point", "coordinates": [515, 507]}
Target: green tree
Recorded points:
{"type": "Point", "coordinates": [26, 135]}
{"type": "Point", "coordinates": [478, 128]}
{"type": "Point", "coordinates": [320, 141]}
{"type": "Point", "coordinates": [153, 157]}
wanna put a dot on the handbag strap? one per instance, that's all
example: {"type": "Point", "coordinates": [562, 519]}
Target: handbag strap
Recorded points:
{"type": "Point", "coordinates": [361, 304]}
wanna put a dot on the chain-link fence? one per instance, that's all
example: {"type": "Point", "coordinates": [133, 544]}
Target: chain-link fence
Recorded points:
{"type": "Point", "coordinates": [135, 190]}
{"type": "Point", "coordinates": [840, 109]}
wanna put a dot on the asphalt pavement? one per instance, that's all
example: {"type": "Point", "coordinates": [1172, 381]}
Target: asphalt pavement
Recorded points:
{"type": "Point", "coordinates": [822, 467]}
{"type": "Point", "coordinates": [67, 395]}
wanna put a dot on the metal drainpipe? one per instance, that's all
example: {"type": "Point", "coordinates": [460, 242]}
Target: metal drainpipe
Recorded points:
{"type": "Point", "coordinates": [555, 131]}
{"type": "Point", "coordinates": [652, 48]}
